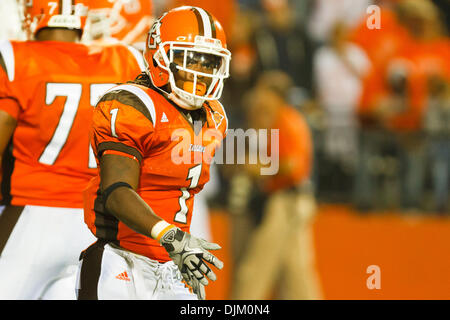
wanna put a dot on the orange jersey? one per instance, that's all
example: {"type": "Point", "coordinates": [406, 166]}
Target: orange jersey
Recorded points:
{"type": "Point", "coordinates": [422, 60]}
{"type": "Point", "coordinates": [294, 150]}
{"type": "Point", "coordinates": [174, 159]}
{"type": "Point", "coordinates": [381, 44]}
{"type": "Point", "coordinates": [51, 89]}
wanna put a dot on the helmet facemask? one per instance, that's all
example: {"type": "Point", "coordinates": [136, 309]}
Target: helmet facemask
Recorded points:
{"type": "Point", "coordinates": [197, 70]}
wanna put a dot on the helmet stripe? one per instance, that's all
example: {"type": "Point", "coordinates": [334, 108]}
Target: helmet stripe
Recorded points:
{"type": "Point", "coordinates": [204, 22]}
{"type": "Point", "coordinates": [213, 26]}
{"type": "Point", "coordinates": [199, 21]}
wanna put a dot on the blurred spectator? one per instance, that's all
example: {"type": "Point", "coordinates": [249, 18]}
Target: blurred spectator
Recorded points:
{"type": "Point", "coordinates": [339, 68]}
{"type": "Point", "coordinates": [444, 8]}
{"type": "Point", "coordinates": [381, 44]}
{"type": "Point", "coordinates": [251, 4]}
{"type": "Point", "coordinates": [437, 128]}
{"type": "Point", "coordinates": [394, 100]}
{"type": "Point", "coordinates": [376, 149]}
{"type": "Point", "coordinates": [280, 254]}
{"type": "Point", "coordinates": [282, 43]}
{"type": "Point", "coordinates": [243, 67]}
{"type": "Point", "coordinates": [326, 13]}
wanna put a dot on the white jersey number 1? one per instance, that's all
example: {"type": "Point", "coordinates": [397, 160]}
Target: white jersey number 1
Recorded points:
{"type": "Point", "coordinates": [194, 176]}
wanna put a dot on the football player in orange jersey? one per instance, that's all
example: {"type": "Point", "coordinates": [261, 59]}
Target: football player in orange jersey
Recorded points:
{"type": "Point", "coordinates": [49, 87]}
{"type": "Point", "coordinates": [153, 139]}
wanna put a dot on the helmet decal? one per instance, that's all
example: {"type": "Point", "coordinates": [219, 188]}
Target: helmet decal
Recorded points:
{"type": "Point", "coordinates": [154, 35]}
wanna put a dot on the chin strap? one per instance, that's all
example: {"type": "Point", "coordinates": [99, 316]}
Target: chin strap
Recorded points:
{"type": "Point", "coordinates": [172, 96]}
{"type": "Point", "coordinates": [173, 68]}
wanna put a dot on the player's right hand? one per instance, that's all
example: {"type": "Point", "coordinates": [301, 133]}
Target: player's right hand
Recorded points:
{"type": "Point", "coordinates": [197, 287]}
{"type": "Point", "coordinates": [190, 254]}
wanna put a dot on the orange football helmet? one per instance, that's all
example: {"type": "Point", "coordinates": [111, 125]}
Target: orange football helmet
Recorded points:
{"type": "Point", "coordinates": [125, 20]}
{"type": "Point", "coordinates": [38, 14]}
{"type": "Point", "coordinates": [179, 40]}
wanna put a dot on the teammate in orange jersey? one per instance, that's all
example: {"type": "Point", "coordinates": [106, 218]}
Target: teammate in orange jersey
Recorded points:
{"type": "Point", "coordinates": [153, 139]}
{"type": "Point", "coordinates": [48, 90]}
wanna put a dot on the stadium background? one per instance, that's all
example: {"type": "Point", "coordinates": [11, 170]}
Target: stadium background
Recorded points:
{"type": "Point", "coordinates": [371, 210]}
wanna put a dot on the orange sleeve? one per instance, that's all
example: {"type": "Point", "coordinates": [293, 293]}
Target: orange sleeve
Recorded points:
{"type": "Point", "coordinates": [8, 102]}
{"type": "Point", "coordinates": [11, 106]}
{"type": "Point", "coordinates": [120, 127]}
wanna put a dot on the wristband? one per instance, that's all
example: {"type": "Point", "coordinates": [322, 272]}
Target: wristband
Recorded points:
{"type": "Point", "coordinates": [160, 228]}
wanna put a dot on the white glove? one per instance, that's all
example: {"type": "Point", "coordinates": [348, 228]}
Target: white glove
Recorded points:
{"type": "Point", "coordinates": [197, 287]}
{"type": "Point", "coordinates": [189, 253]}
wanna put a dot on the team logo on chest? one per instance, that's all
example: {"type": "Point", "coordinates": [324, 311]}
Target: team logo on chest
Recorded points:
{"type": "Point", "coordinates": [217, 117]}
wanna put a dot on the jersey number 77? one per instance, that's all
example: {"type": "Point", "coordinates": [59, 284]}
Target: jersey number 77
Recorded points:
{"type": "Point", "coordinates": [73, 92]}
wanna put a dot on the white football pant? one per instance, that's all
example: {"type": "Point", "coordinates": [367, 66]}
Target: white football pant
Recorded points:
{"type": "Point", "coordinates": [108, 272]}
{"type": "Point", "coordinates": [40, 256]}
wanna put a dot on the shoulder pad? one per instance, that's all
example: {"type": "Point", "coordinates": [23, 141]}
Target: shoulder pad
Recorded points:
{"type": "Point", "coordinates": [133, 96]}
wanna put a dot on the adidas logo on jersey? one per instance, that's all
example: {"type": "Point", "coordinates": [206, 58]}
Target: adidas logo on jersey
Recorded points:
{"type": "Point", "coordinates": [123, 276]}
{"type": "Point", "coordinates": [164, 118]}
